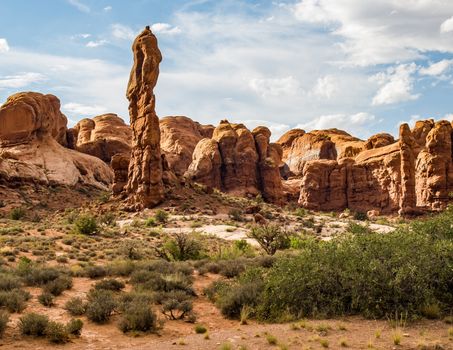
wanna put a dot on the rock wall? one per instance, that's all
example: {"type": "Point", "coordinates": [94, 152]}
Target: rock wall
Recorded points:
{"type": "Point", "coordinates": [103, 136]}
{"type": "Point", "coordinates": [32, 135]}
{"type": "Point", "coordinates": [406, 176]}
{"type": "Point", "coordinates": [239, 162]}
{"type": "Point", "coordinates": [145, 187]}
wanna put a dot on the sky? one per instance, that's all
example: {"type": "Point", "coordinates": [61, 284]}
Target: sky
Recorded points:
{"type": "Point", "coordinates": [363, 66]}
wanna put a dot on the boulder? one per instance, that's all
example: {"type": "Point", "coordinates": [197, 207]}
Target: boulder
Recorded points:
{"type": "Point", "coordinates": [379, 140]}
{"type": "Point", "coordinates": [29, 115]}
{"type": "Point", "coordinates": [179, 136]}
{"type": "Point", "coordinates": [103, 136]}
{"type": "Point", "coordinates": [33, 133]}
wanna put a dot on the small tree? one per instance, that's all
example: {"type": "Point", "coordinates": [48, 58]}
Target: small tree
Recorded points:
{"type": "Point", "coordinates": [270, 237]}
{"type": "Point", "coordinates": [181, 247]}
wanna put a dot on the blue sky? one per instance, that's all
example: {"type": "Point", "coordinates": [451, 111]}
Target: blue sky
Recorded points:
{"type": "Point", "coordinates": [360, 65]}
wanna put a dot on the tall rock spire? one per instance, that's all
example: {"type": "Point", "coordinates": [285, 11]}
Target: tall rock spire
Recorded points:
{"type": "Point", "coordinates": [145, 188]}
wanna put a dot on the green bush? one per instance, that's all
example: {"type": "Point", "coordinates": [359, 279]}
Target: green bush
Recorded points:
{"type": "Point", "coordinates": [33, 324]}
{"type": "Point", "coordinates": [46, 299]}
{"type": "Point", "coordinates": [358, 229]}
{"type": "Point", "coordinates": [8, 282]}
{"type": "Point", "coordinates": [361, 216]}
{"type": "Point", "coordinates": [373, 275]}
{"type": "Point", "coordinates": [58, 285]}
{"type": "Point", "coordinates": [4, 319]}
{"type": "Point", "coordinates": [14, 300]}
{"type": "Point", "coordinates": [236, 214]}
{"type": "Point", "coordinates": [100, 306]}
{"type": "Point", "coordinates": [138, 316]}
{"type": "Point", "coordinates": [440, 225]}
{"type": "Point", "coordinates": [110, 284]}
{"type": "Point", "coordinates": [175, 304]}
{"type": "Point", "coordinates": [74, 326]}
{"type": "Point", "coordinates": [161, 216]}
{"type": "Point", "coordinates": [17, 214]}
{"type": "Point", "coordinates": [56, 332]}
{"type": "Point", "coordinates": [181, 247]}
{"type": "Point", "coordinates": [75, 306]}
{"type": "Point", "coordinates": [270, 237]}
{"type": "Point", "coordinates": [95, 271]}
{"type": "Point", "coordinates": [86, 225]}
{"type": "Point", "coordinates": [200, 329]}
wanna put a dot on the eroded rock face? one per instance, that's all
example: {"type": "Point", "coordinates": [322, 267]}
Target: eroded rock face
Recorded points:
{"type": "Point", "coordinates": [103, 136]}
{"type": "Point", "coordinates": [331, 144]}
{"type": "Point", "coordinates": [406, 176]}
{"type": "Point", "coordinates": [33, 130]}
{"type": "Point", "coordinates": [239, 162]}
{"type": "Point", "coordinates": [29, 115]}
{"type": "Point", "coordinates": [179, 136]}
{"type": "Point", "coordinates": [434, 170]}
{"type": "Point", "coordinates": [145, 187]}
{"type": "Point", "coordinates": [379, 140]}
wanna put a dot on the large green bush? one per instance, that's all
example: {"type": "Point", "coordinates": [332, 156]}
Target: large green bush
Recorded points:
{"type": "Point", "coordinates": [374, 275]}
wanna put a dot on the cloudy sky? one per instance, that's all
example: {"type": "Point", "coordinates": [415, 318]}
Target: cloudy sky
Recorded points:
{"type": "Point", "coordinates": [359, 65]}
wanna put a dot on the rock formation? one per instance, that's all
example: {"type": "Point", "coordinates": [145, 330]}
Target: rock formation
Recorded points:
{"type": "Point", "coordinates": [179, 136]}
{"type": "Point", "coordinates": [379, 140]}
{"type": "Point", "coordinates": [239, 162]}
{"type": "Point", "coordinates": [145, 187]}
{"type": "Point", "coordinates": [32, 135]}
{"type": "Point", "coordinates": [103, 136]}
{"type": "Point", "coordinates": [406, 176]}
{"type": "Point", "coordinates": [332, 144]}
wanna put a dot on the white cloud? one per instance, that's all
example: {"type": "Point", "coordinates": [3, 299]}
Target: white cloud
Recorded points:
{"type": "Point", "coordinates": [165, 28]}
{"type": "Point", "coordinates": [123, 32]}
{"type": "Point", "coordinates": [275, 87]}
{"type": "Point", "coordinates": [397, 85]}
{"type": "Point", "coordinates": [79, 5]}
{"type": "Point", "coordinates": [4, 47]}
{"type": "Point", "coordinates": [21, 80]}
{"type": "Point", "coordinates": [83, 110]}
{"type": "Point", "coordinates": [81, 36]}
{"type": "Point", "coordinates": [326, 87]}
{"type": "Point", "coordinates": [437, 68]}
{"type": "Point", "coordinates": [96, 43]}
{"type": "Point", "coordinates": [447, 26]}
{"type": "Point", "coordinates": [108, 8]}
{"type": "Point", "coordinates": [312, 11]}
{"type": "Point", "coordinates": [380, 32]}
{"type": "Point", "coordinates": [358, 123]}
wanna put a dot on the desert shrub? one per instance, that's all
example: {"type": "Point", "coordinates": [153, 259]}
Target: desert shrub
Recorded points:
{"type": "Point", "coordinates": [95, 271]}
{"type": "Point", "coordinates": [58, 285]}
{"type": "Point", "coordinates": [17, 214]}
{"type": "Point", "coordinates": [270, 237]}
{"type": "Point", "coordinates": [231, 298]}
{"type": "Point", "coordinates": [156, 282]}
{"type": "Point", "coordinates": [373, 275]}
{"type": "Point", "coordinates": [161, 216]}
{"type": "Point", "coordinates": [46, 299]}
{"type": "Point", "coordinates": [232, 268]}
{"type": "Point", "coordinates": [8, 282]}
{"type": "Point", "coordinates": [4, 319]}
{"type": "Point", "coordinates": [200, 329]}
{"type": "Point", "coordinates": [440, 226]}
{"type": "Point", "coordinates": [33, 324]}
{"type": "Point", "coordinates": [108, 219]}
{"type": "Point", "coordinates": [14, 300]}
{"type": "Point", "coordinates": [74, 326]}
{"type": "Point", "coordinates": [265, 261]}
{"type": "Point", "coordinates": [100, 306]}
{"type": "Point", "coordinates": [138, 316]}
{"type": "Point", "coordinates": [358, 229]}
{"type": "Point", "coordinates": [175, 304]}
{"type": "Point", "coordinates": [110, 284]}
{"type": "Point", "coordinates": [236, 214]}
{"type": "Point", "coordinates": [181, 247]}
{"type": "Point", "coordinates": [56, 332]}
{"type": "Point", "coordinates": [75, 306]}
{"type": "Point", "coordinates": [86, 225]}
{"type": "Point", "coordinates": [360, 215]}
{"type": "Point", "coordinates": [37, 275]}
{"type": "Point", "coordinates": [121, 268]}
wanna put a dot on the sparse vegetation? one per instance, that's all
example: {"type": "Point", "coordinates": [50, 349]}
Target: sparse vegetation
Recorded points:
{"type": "Point", "coordinates": [271, 238]}
{"type": "Point", "coordinates": [86, 225]}
{"type": "Point", "coordinates": [4, 319]}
